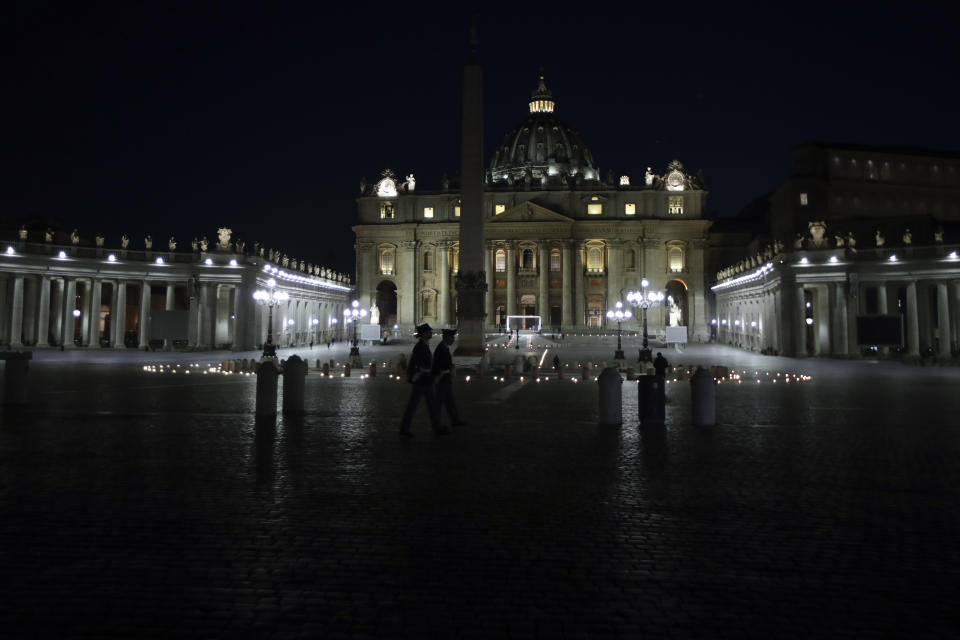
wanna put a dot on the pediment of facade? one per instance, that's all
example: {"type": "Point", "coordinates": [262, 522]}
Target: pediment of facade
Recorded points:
{"type": "Point", "coordinates": [529, 212]}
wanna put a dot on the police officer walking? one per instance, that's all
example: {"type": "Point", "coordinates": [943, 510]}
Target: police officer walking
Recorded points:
{"type": "Point", "coordinates": [419, 374]}
{"type": "Point", "coordinates": [443, 377]}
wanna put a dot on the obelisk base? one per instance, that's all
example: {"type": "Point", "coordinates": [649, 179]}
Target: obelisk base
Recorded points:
{"type": "Point", "coordinates": [471, 293]}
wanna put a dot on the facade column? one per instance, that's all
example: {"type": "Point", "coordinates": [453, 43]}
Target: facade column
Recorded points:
{"type": "Point", "coordinates": [913, 326]}
{"type": "Point", "coordinates": [143, 321]}
{"type": "Point", "coordinates": [612, 270]}
{"type": "Point", "coordinates": [407, 292]}
{"type": "Point", "coordinates": [57, 310]}
{"type": "Point", "coordinates": [956, 313]}
{"type": "Point", "coordinates": [170, 305]}
{"type": "Point", "coordinates": [69, 302]}
{"type": "Point", "coordinates": [85, 318]}
{"type": "Point", "coordinates": [566, 312]}
{"type": "Point", "coordinates": [488, 298]}
{"type": "Point", "coordinates": [579, 306]}
{"type": "Point", "coordinates": [43, 316]}
{"type": "Point", "coordinates": [511, 280]}
{"type": "Point", "coordinates": [120, 325]}
{"type": "Point", "coordinates": [443, 265]}
{"type": "Point", "coordinates": [93, 312]}
{"type": "Point", "coordinates": [543, 299]}
{"type": "Point", "coordinates": [943, 320]}
{"type": "Point", "coordinates": [16, 317]}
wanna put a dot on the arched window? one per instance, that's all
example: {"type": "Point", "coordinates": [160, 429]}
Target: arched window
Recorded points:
{"type": "Point", "coordinates": [629, 259]}
{"type": "Point", "coordinates": [428, 260]}
{"type": "Point", "coordinates": [594, 259]}
{"type": "Point", "coordinates": [527, 258]}
{"type": "Point", "coordinates": [555, 260]}
{"type": "Point", "coordinates": [501, 260]}
{"type": "Point", "coordinates": [675, 258]}
{"type": "Point", "coordinates": [386, 261]}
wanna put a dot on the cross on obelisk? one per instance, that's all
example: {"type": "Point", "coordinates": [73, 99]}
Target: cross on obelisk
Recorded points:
{"type": "Point", "coordinates": [471, 279]}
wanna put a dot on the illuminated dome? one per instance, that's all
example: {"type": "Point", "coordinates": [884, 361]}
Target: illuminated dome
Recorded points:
{"type": "Point", "coordinates": [542, 147]}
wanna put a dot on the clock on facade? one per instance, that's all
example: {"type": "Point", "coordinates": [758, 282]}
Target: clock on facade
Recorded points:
{"type": "Point", "coordinates": [675, 181]}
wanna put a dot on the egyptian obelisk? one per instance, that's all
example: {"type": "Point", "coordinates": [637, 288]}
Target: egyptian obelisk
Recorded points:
{"type": "Point", "coordinates": [471, 279]}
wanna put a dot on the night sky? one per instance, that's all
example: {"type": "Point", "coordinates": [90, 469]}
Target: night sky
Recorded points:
{"type": "Point", "coordinates": [176, 119]}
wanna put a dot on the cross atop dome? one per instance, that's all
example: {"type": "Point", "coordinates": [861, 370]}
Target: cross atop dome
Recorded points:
{"type": "Point", "coordinates": [541, 100]}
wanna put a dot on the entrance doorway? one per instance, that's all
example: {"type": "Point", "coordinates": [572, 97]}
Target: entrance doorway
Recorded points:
{"type": "Point", "coordinates": [675, 304]}
{"type": "Point", "coordinates": [595, 311]}
{"type": "Point", "coordinates": [387, 303]}
{"type": "Point", "coordinates": [528, 307]}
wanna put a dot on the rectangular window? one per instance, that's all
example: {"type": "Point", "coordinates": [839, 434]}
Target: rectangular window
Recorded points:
{"type": "Point", "coordinates": [554, 261]}
{"type": "Point", "coordinates": [428, 212]}
{"type": "Point", "coordinates": [498, 209]}
{"type": "Point", "coordinates": [594, 209]}
{"type": "Point", "coordinates": [456, 211]}
{"type": "Point", "coordinates": [804, 201]}
{"type": "Point", "coordinates": [675, 205]}
{"type": "Point", "coordinates": [386, 211]}
{"type": "Point", "coordinates": [630, 209]}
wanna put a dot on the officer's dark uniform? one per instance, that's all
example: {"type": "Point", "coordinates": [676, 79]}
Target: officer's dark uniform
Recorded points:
{"type": "Point", "coordinates": [443, 377]}
{"type": "Point", "coordinates": [660, 365]}
{"type": "Point", "coordinates": [420, 375]}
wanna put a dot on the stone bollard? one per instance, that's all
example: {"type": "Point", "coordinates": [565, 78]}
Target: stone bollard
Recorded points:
{"type": "Point", "coordinates": [585, 373]}
{"type": "Point", "coordinates": [238, 366]}
{"type": "Point", "coordinates": [318, 363]}
{"type": "Point", "coordinates": [267, 374]}
{"type": "Point", "coordinates": [346, 370]}
{"type": "Point", "coordinates": [535, 371]}
{"type": "Point", "coordinates": [560, 372]}
{"type": "Point", "coordinates": [480, 368]}
{"type": "Point", "coordinates": [326, 369]}
{"type": "Point", "coordinates": [611, 397]}
{"type": "Point", "coordinates": [373, 370]}
{"type": "Point", "coordinates": [703, 395]}
{"type": "Point", "coordinates": [506, 371]}
{"type": "Point", "coordinates": [294, 373]}
{"type": "Point", "coordinates": [15, 378]}
{"type": "Point", "coordinates": [398, 371]}
{"type": "Point", "coordinates": [651, 399]}
{"type": "Point", "coordinates": [630, 373]}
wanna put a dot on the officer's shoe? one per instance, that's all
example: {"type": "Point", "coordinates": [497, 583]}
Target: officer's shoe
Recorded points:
{"type": "Point", "coordinates": [442, 431]}
{"type": "Point", "coordinates": [406, 433]}
{"type": "Point", "coordinates": [459, 423]}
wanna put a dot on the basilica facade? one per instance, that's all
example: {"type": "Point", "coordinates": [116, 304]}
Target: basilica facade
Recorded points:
{"type": "Point", "coordinates": [562, 244]}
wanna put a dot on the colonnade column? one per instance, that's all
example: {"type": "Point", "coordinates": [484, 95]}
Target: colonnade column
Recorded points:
{"type": "Point", "coordinates": [913, 328]}
{"type": "Point", "coordinates": [511, 280]}
{"type": "Point", "coordinates": [543, 299]}
{"type": "Point", "coordinates": [69, 300]}
{"type": "Point", "coordinates": [120, 313]}
{"type": "Point", "coordinates": [801, 320]}
{"type": "Point", "coordinates": [93, 312]}
{"type": "Point", "coordinates": [956, 309]}
{"type": "Point", "coordinates": [853, 309]}
{"type": "Point", "coordinates": [579, 303]}
{"type": "Point", "coordinates": [488, 298]}
{"type": "Point", "coordinates": [839, 344]}
{"type": "Point", "coordinates": [203, 316]}
{"type": "Point", "coordinates": [144, 319]}
{"type": "Point", "coordinates": [882, 309]}
{"type": "Point", "coordinates": [169, 305]}
{"type": "Point", "coordinates": [84, 315]}
{"type": "Point", "coordinates": [943, 320]}
{"type": "Point", "coordinates": [30, 303]}
{"type": "Point", "coordinates": [16, 318]}
{"type": "Point", "coordinates": [58, 311]}
{"type": "Point", "coordinates": [443, 264]}
{"type": "Point", "coordinates": [43, 320]}
{"type": "Point", "coordinates": [566, 313]}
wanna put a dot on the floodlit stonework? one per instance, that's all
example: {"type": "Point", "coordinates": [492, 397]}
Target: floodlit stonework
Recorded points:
{"type": "Point", "coordinates": [561, 242]}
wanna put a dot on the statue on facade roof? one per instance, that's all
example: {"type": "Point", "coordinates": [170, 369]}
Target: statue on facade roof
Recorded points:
{"type": "Point", "coordinates": [204, 243]}
{"type": "Point", "coordinates": [907, 237]}
{"type": "Point", "coordinates": [285, 261]}
{"type": "Point", "coordinates": [851, 242]}
{"type": "Point", "coordinates": [48, 235]}
{"type": "Point", "coordinates": [648, 177]}
{"type": "Point", "coordinates": [172, 244]}
{"type": "Point", "coordinates": [260, 252]}
{"type": "Point", "coordinates": [148, 242]}
{"type": "Point", "coordinates": [363, 185]}
{"type": "Point", "coordinates": [410, 183]}
{"type": "Point", "coordinates": [817, 229]}
{"type": "Point", "coordinates": [194, 244]}
{"type": "Point", "coordinates": [98, 240]}
{"type": "Point", "coordinates": [240, 246]}
{"type": "Point", "coordinates": [798, 241]}
{"type": "Point", "coordinates": [75, 237]}
{"type": "Point", "coordinates": [22, 232]}
{"type": "Point", "coordinates": [445, 182]}
{"type": "Point", "coordinates": [124, 241]}
{"type": "Point", "coordinates": [838, 238]}
{"type": "Point", "coordinates": [938, 235]}
{"type": "Point", "coordinates": [879, 238]}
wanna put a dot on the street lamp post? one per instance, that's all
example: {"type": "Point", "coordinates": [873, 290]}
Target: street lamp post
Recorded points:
{"type": "Point", "coordinates": [644, 300]}
{"type": "Point", "coordinates": [353, 314]}
{"type": "Point", "coordinates": [619, 314]}
{"type": "Point", "coordinates": [270, 297]}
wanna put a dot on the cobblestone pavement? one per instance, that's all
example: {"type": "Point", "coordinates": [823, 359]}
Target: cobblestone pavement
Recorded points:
{"type": "Point", "coordinates": [141, 504]}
